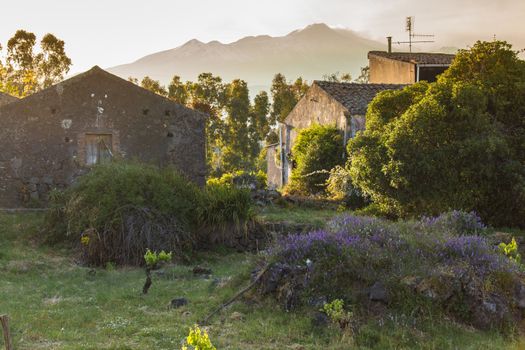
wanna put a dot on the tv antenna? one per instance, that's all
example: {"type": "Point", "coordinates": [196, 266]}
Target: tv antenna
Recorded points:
{"type": "Point", "coordinates": [409, 27]}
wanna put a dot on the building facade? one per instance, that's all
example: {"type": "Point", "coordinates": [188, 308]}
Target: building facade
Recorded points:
{"type": "Point", "coordinates": [342, 105]}
{"type": "Point", "coordinates": [405, 67]}
{"type": "Point", "coordinates": [50, 138]}
{"type": "Point", "coordinates": [6, 99]}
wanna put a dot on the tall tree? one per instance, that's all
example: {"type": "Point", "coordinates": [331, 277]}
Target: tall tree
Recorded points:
{"type": "Point", "coordinates": [53, 61]}
{"type": "Point", "coordinates": [153, 86]}
{"type": "Point", "coordinates": [237, 138]}
{"type": "Point", "coordinates": [177, 91]}
{"type": "Point", "coordinates": [285, 96]}
{"type": "Point", "coordinates": [25, 71]}
{"type": "Point", "coordinates": [208, 95]}
{"type": "Point", "coordinates": [259, 122]}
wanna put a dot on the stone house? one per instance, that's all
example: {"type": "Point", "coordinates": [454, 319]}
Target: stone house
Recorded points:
{"type": "Point", "coordinates": [325, 103]}
{"type": "Point", "coordinates": [50, 138]}
{"type": "Point", "coordinates": [406, 68]}
{"type": "Point", "coordinates": [344, 104]}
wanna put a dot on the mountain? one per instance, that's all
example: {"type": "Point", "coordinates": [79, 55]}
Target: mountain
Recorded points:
{"type": "Point", "coordinates": [310, 52]}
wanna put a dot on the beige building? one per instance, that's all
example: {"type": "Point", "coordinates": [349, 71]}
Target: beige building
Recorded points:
{"type": "Point", "coordinates": [325, 103]}
{"type": "Point", "coordinates": [405, 67]}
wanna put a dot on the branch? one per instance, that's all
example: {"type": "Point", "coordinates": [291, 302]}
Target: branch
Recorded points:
{"type": "Point", "coordinates": [236, 296]}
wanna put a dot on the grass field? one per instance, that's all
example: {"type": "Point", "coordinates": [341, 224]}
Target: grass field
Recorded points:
{"type": "Point", "coordinates": [54, 303]}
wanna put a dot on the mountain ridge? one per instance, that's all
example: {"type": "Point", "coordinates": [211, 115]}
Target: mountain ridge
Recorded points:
{"type": "Point", "coordinates": [310, 52]}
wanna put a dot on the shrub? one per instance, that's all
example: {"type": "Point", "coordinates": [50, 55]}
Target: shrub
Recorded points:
{"type": "Point", "coordinates": [198, 340]}
{"type": "Point", "coordinates": [336, 312]}
{"type": "Point", "coordinates": [456, 143]}
{"type": "Point", "coordinates": [459, 275]}
{"type": "Point", "coordinates": [317, 149]}
{"type": "Point", "coordinates": [339, 186]}
{"type": "Point", "coordinates": [118, 210]}
{"type": "Point", "coordinates": [241, 179]}
{"type": "Point", "coordinates": [153, 259]}
{"type": "Point", "coordinates": [511, 250]}
{"type": "Point", "coordinates": [222, 206]}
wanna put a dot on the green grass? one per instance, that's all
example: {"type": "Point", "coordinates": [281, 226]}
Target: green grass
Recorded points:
{"type": "Point", "coordinates": [297, 215]}
{"type": "Point", "coordinates": [54, 303]}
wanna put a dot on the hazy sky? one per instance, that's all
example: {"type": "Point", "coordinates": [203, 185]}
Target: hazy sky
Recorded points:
{"type": "Point", "coordinates": [111, 32]}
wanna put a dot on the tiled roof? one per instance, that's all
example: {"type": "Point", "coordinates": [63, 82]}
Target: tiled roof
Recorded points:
{"type": "Point", "coordinates": [6, 99]}
{"type": "Point", "coordinates": [355, 97]}
{"type": "Point", "coordinates": [415, 57]}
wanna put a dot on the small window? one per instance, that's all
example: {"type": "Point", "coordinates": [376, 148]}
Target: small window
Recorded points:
{"type": "Point", "coordinates": [99, 148]}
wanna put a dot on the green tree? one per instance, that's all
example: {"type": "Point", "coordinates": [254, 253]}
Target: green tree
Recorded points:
{"type": "Point", "coordinates": [453, 144]}
{"type": "Point", "coordinates": [285, 96]}
{"type": "Point", "coordinates": [259, 124]}
{"type": "Point", "coordinates": [25, 71]}
{"type": "Point", "coordinates": [53, 61]}
{"type": "Point", "coordinates": [177, 91]}
{"type": "Point", "coordinates": [316, 151]}
{"type": "Point", "coordinates": [208, 95]}
{"type": "Point", "coordinates": [237, 143]}
{"type": "Point", "coordinates": [153, 86]}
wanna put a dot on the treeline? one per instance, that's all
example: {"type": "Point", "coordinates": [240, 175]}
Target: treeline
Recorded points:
{"type": "Point", "coordinates": [28, 68]}
{"type": "Point", "coordinates": [237, 127]}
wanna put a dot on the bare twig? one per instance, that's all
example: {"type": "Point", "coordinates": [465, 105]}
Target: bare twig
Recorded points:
{"type": "Point", "coordinates": [236, 296]}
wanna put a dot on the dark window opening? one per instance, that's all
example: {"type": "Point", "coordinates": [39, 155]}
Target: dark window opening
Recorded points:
{"type": "Point", "coordinates": [170, 134]}
{"type": "Point", "coordinates": [430, 73]}
{"type": "Point", "coordinates": [145, 111]}
{"type": "Point", "coordinates": [167, 113]}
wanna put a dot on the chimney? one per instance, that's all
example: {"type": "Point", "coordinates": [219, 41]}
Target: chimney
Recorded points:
{"type": "Point", "coordinates": [389, 40]}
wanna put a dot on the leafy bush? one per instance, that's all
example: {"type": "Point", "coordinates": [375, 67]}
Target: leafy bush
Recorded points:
{"type": "Point", "coordinates": [456, 143]}
{"type": "Point", "coordinates": [457, 273]}
{"type": "Point", "coordinates": [339, 186]}
{"type": "Point", "coordinates": [198, 340]}
{"type": "Point", "coordinates": [511, 250]}
{"type": "Point", "coordinates": [336, 312]}
{"type": "Point", "coordinates": [222, 206]}
{"type": "Point", "coordinates": [152, 259]}
{"type": "Point", "coordinates": [241, 179]}
{"type": "Point", "coordinates": [317, 149]}
{"type": "Point", "coordinates": [118, 210]}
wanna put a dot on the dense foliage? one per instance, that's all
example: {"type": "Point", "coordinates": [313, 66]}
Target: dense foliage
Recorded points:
{"type": "Point", "coordinates": [454, 144]}
{"type": "Point", "coordinates": [316, 151]}
{"type": "Point", "coordinates": [426, 266]}
{"type": "Point", "coordinates": [241, 179]}
{"type": "Point", "coordinates": [24, 71]}
{"type": "Point", "coordinates": [237, 128]}
{"type": "Point", "coordinates": [118, 210]}
{"type": "Point", "coordinates": [339, 187]}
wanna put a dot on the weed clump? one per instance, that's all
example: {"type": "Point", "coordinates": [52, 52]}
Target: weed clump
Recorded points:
{"type": "Point", "coordinates": [117, 210]}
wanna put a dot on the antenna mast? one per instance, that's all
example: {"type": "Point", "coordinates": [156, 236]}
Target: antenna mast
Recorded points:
{"type": "Point", "coordinates": [409, 27]}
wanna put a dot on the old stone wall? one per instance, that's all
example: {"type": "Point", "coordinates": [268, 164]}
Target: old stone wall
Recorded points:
{"type": "Point", "coordinates": [274, 169]}
{"type": "Point", "coordinates": [42, 139]}
{"type": "Point", "coordinates": [387, 71]}
{"type": "Point", "coordinates": [316, 107]}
